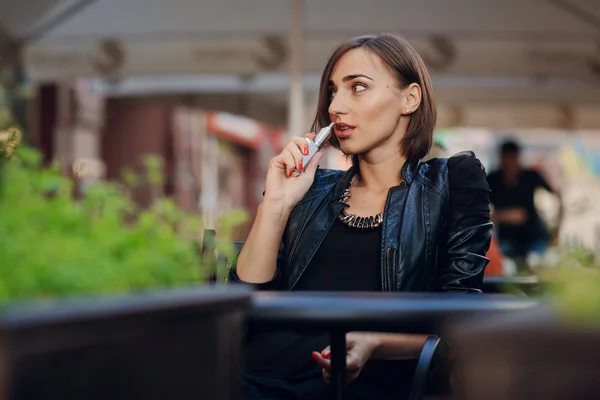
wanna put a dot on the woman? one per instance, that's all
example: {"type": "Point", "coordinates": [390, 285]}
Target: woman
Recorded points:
{"type": "Point", "coordinates": [434, 233]}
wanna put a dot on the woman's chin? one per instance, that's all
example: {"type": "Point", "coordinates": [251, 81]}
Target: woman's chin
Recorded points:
{"type": "Point", "coordinates": [349, 149]}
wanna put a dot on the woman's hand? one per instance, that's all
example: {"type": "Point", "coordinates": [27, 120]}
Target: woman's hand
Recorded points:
{"type": "Point", "coordinates": [359, 349]}
{"type": "Point", "coordinates": [282, 186]}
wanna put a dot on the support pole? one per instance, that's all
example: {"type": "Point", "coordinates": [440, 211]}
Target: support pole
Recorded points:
{"type": "Point", "coordinates": [296, 95]}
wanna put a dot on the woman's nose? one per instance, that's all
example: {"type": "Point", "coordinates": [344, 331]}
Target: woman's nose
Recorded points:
{"type": "Point", "coordinates": [337, 106]}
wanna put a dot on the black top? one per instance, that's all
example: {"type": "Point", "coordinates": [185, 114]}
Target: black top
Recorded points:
{"type": "Point", "coordinates": [347, 260]}
{"type": "Point", "coordinates": [521, 194]}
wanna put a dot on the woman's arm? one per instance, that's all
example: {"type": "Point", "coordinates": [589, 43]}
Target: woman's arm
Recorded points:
{"type": "Point", "coordinates": [469, 235]}
{"type": "Point", "coordinates": [398, 346]}
{"type": "Point", "coordinates": [469, 230]}
{"type": "Point", "coordinates": [257, 262]}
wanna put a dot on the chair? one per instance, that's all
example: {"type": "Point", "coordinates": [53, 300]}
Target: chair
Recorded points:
{"type": "Point", "coordinates": [218, 265]}
{"type": "Point", "coordinates": [431, 357]}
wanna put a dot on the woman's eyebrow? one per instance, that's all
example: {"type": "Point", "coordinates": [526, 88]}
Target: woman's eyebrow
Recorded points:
{"type": "Point", "coordinates": [351, 77]}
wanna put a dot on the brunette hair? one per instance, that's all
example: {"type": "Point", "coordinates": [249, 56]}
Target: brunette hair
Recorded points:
{"type": "Point", "coordinates": [408, 67]}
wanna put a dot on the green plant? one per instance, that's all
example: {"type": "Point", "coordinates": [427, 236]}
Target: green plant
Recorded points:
{"type": "Point", "coordinates": [53, 246]}
{"type": "Point", "coordinates": [572, 284]}
{"type": "Point", "coordinates": [9, 139]}
{"type": "Point", "coordinates": [10, 134]}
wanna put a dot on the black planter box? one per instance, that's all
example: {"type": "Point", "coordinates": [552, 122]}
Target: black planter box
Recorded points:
{"type": "Point", "coordinates": [177, 344]}
{"type": "Point", "coordinates": [529, 356]}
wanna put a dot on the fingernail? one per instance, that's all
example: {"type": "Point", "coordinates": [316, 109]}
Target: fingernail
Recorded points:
{"type": "Point", "coordinates": [305, 150]}
{"type": "Point", "coordinates": [300, 166]}
{"type": "Point", "coordinates": [315, 355]}
{"type": "Point", "coordinates": [291, 173]}
{"type": "Point", "coordinates": [326, 354]}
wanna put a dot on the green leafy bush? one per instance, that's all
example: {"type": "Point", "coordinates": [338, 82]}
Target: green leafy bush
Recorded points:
{"type": "Point", "coordinates": [10, 134]}
{"type": "Point", "coordinates": [573, 284]}
{"type": "Point", "coordinates": [53, 246]}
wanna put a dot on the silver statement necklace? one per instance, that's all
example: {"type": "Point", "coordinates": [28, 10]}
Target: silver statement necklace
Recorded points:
{"type": "Point", "coordinates": [353, 220]}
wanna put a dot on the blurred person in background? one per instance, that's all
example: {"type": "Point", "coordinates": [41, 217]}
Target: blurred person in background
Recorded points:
{"type": "Point", "coordinates": [519, 227]}
{"type": "Point", "coordinates": [423, 226]}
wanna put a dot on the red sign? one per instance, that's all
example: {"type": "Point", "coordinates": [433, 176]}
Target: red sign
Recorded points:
{"type": "Point", "coordinates": [238, 129]}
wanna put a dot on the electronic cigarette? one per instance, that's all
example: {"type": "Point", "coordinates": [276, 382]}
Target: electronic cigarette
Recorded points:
{"type": "Point", "coordinates": [314, 146]}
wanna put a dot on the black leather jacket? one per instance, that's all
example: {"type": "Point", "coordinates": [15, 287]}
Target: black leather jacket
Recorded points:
{"type": "Point", "coordinates": [435, 234]}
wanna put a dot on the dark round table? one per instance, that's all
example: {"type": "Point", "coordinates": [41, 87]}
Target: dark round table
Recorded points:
{"type": "Point", "coordinates": [342, 312]}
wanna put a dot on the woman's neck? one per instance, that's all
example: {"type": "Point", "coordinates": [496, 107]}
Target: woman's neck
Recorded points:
{"type": "Point", "coordinates": [379, 172]}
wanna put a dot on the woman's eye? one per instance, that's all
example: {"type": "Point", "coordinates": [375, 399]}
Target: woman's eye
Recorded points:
{"type": "Point", "coordinates": [359, 87]}
{"type": "Point", "coordinates": [331, 94]}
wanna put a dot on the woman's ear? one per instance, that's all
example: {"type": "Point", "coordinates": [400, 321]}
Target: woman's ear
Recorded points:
{"type": "Point", "coordinates": [412, 98]}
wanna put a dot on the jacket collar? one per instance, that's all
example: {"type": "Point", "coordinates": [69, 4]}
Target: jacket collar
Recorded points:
{"type": "Point", "coordinates": [409, 171]}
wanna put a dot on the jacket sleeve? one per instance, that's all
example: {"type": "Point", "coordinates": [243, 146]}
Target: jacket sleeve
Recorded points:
{"type": "Point", "coordinates": [468, 230]}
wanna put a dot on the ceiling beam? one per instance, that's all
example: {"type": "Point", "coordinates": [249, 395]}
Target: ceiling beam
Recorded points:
{"type": "Point", "coordinates": [68, 12]}
{"type": "Point", "coordinates": [457, 89]}
{"type": "Point", "coordinates": [580, 13]}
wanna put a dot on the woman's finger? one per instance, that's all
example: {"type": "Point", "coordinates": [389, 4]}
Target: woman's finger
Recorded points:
{"type": "Point", "coordinates": [311, 135]}
{"type": "Point", "coordinates": [326, 375]}
{"type": "Point", "coordinates": [349, 377]}
{"type": "Point", "coordinates": [301, 143]}
{"type": "Point", "coordinates": [289, 161]}
{"type": "Point", "coordinates": [352, 364]}
{"type": "Point", "coordinates": [352, 376]}
{"type": "Point", "coordinates": [296, 153]}
{"type": "Point", "coordinates": [322, 361]}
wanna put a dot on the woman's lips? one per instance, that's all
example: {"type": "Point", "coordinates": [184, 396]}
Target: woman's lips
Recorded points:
{"type": "Point", "coordinates": [343, 131]}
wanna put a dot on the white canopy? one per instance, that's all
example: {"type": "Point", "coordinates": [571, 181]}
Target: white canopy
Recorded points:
{"type": "Point", "coordinates": [540, 50]}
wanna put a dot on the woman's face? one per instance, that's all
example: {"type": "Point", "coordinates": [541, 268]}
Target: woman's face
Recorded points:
{"type": "Point", "coordinates": [367, 104]}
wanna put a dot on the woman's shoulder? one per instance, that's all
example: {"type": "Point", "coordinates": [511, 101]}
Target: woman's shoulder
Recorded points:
{"type": "Point", "coordinates": [461, 169]}
{"type": "Point", "coordinates": [465, 171]}
{"type": "Point", "coordinates": [464, 159]}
